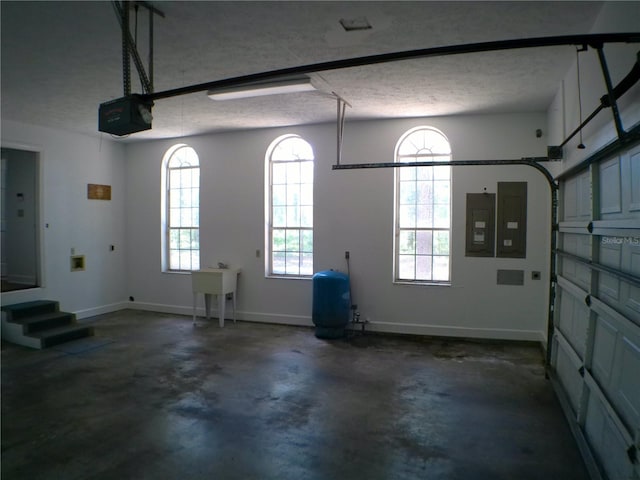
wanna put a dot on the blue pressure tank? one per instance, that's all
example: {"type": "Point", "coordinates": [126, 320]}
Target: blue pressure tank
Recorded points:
{"type": "Point", "coordinates": [331, 303]}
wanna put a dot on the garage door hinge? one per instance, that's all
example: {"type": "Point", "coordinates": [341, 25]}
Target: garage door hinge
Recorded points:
{"type": "Point", "coordinates": [632, 452]}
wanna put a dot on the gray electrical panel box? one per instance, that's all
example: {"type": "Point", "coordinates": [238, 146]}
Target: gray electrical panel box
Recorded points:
{"type": "Point", "coordinates": [512, 220]}
{"type": "Point", "coordinates": [480, 239]}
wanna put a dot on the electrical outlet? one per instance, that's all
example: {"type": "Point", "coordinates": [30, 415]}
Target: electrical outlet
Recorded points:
{"type": "Point", "coordinates": [346, 255]}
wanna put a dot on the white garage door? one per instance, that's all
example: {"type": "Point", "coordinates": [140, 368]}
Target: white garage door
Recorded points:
{"type": "Point", "coordinates": [596, 342]}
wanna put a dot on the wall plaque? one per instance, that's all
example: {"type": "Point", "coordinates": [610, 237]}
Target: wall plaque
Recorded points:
{"type": "Point", "coordinates": [98, 192]}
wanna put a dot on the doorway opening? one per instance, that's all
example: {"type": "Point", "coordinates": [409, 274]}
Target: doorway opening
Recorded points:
{"type": "Point", "coordinates": [19, 232]}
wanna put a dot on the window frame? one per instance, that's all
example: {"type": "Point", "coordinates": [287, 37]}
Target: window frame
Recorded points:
{"type": "Point", "coordinates": [166, 210]}
{"type": "Point", "coordinates": [269, 210]}
{"type": "Point", "coordinates": [398, 229]}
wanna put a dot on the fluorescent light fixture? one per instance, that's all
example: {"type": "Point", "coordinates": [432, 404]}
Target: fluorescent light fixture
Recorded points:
{"type": "Point", "coordinates": [258, 89]}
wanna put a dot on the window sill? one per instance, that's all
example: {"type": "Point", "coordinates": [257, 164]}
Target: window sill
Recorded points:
{"type": "Point", "coordinates": [177, 272]}
{"type": "Point", "coordinates": [289, 277]}
{"type": "Point", "coordinates": [422, 284]}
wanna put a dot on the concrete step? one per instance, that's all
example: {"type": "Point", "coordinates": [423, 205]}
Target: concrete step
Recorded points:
{"type": "Point", "coordinates": [58, 335]}
{"type": "Point", "coordinates": [46, 321]}
{"type": "Point", "coordinates": [26, 309]}
{"type": "Point", "coordinates": [40, 324]}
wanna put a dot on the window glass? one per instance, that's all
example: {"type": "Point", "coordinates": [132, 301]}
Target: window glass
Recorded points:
{"type": "Point", "coordinates": [422, 208]}
{"type": "Point", "coordinates": [290, 207]}
{"type": "Point", "coordinates": [181, 212]}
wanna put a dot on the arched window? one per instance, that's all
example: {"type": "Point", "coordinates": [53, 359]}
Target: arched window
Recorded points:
{"type": "Point", "coordinates": [289, 207]}
{"type": "Point", "coordinates": [181, 209]}
{"type": "Point", "coordinates": [422, 242]}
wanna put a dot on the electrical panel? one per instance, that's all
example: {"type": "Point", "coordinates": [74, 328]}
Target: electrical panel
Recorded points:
{"type": "Point", "coordinates": [480, 238]}
{"type": "Point", "coordinates": [512, 220]}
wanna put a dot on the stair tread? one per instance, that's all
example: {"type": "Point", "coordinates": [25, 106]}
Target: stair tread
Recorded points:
{"type": "Point", "coordinates": [41, 317]}
{"type": "Point", "coordinates": [27, 305]}
{"type": "Point", "coordinates": [52, 332]}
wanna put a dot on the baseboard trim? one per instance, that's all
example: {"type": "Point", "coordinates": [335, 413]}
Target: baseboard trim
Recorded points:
{"type": "Point", "coordinates": [163, 308]}
{"type": "Point", "coordinates": [92, 312]}
{"type": "Point", "coordinates": [452, 331]}
{"type": "Point", "coordinates": [382, 327]}
{"type": "Point", "coordinates": [284, 319]}
{"type": "Point", "coordinates": [279, 318]}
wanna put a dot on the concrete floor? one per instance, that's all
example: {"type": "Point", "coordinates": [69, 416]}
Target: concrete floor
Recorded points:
{"type": "Point", "coordinates": [153, 397]}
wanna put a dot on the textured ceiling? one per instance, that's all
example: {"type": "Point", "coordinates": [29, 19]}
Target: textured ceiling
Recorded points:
{"type": "Point", "coordinates": [60, 60]}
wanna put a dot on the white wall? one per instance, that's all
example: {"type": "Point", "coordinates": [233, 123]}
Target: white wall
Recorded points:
{"type": "Point", "coordinates": [353, 211]}
{"type": "Point", "coordinates": [68, 162]}
{"type": "Point", "coordinates": [563, 115]}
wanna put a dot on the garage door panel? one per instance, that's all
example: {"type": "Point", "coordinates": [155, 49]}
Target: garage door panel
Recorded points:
{"type": "Point", "coordinates": [577, 272]}
{"type": "Point", "coordinates": [634, 181]}
{"type": "Point", "coordinates": [565, 316]}
{"type": "Point", "coordinates": [576, 198]}
{"type": "Point", "coordinates": [610, 189]}
{"type": "Point", "coordinates": [569, 375]}
{"type": "Point", "coordinates": [631, 293]}
{"type": "Point", "coordinates": [622, 295]}
{"type": "Point", "coordinates": [577, 334]}
{"type": "Point", "coordinates": [570, 243]}
{"type": "Point", "coordinates": [609, 288]}
{"type": "Point", "coordinates": [616, 363]}
{"type": "Point", "coordinates": [626, 383]}
{"type": "Point", "coordinates": [610, 255]}
{"type": "Point", "coordinates": [610, 251]}
{"type": "Point", "coordinates": [577, 244]}
{"type": "Point", "coordinates": [584, 195]}
{"type": "Point", "coordinates": [602, 333]}
{"type": "Point", "coordinates": [570, 199]}
{"type": "Point", "coordinates": [604, 348]}
{"type": "Point", "coordinates": [607, 441]}
{"type": "Point", "coordinates": [634, 258]}
{"type": "Point", "coordinates": [631, 297]}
